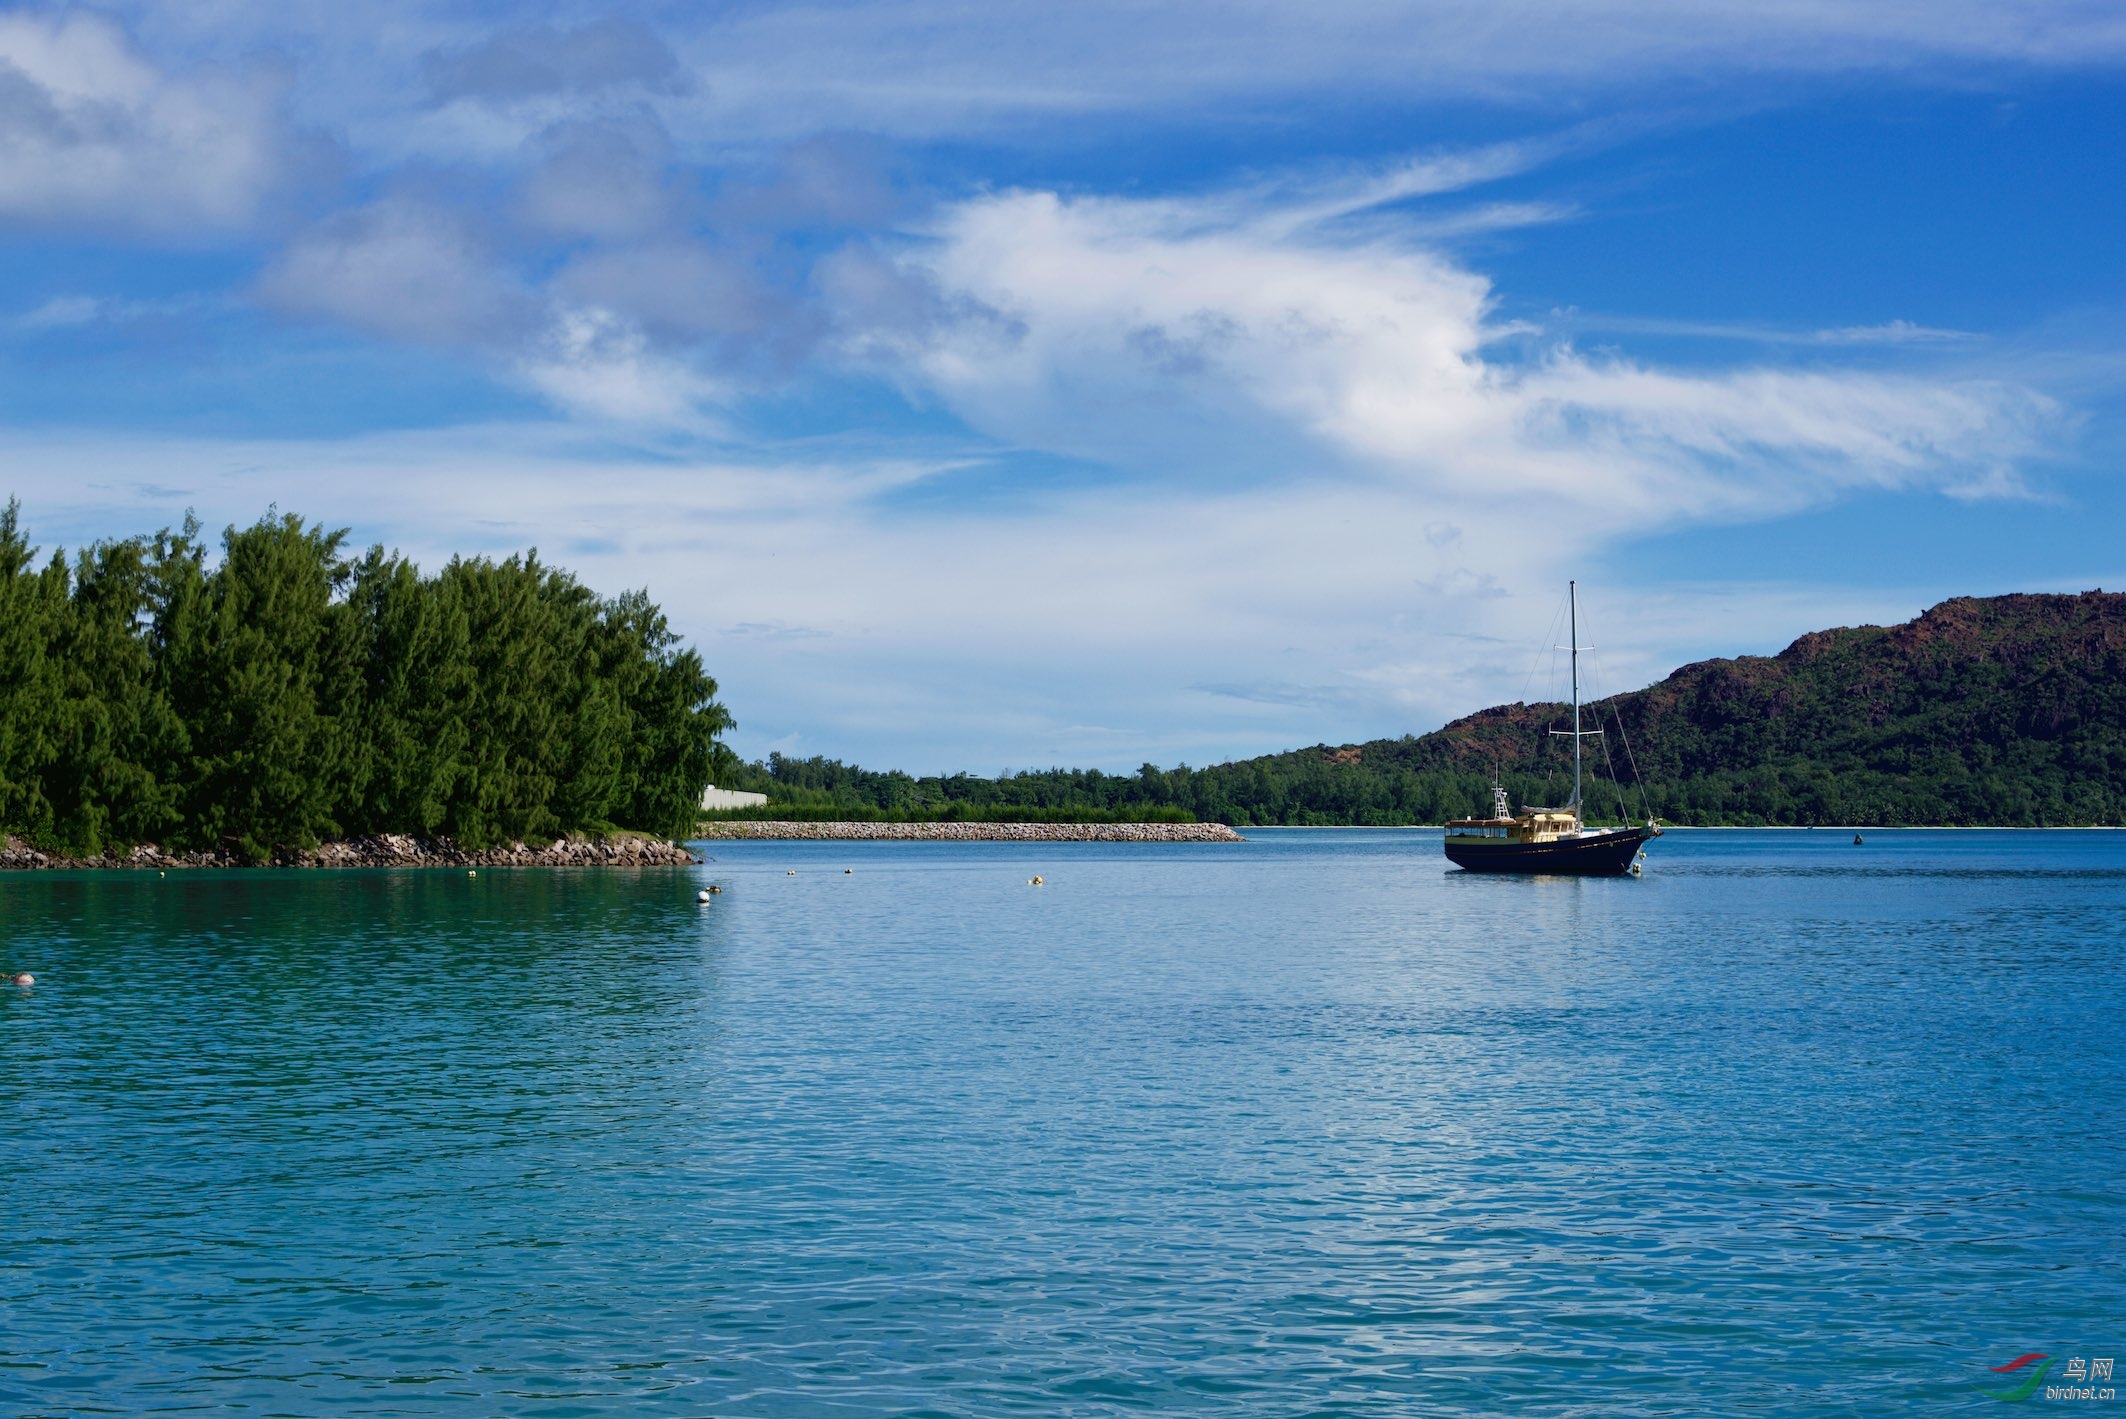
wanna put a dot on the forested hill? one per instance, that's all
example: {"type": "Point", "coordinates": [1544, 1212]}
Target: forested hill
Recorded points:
{"type": "Point", "coordinates": [2004, 710]}
{"type": "Point", "coordinates": [284, 692]}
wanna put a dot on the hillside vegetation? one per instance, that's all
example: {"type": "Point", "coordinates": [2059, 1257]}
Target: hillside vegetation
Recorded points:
{"type": "Point", "coordinates": [2003, 710]}
{"type": "Point", "coordinates": [287, 693]}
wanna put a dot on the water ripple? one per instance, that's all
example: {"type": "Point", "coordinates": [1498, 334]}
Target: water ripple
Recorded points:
{"type": "Point", "coordinates": [1305, 1125]}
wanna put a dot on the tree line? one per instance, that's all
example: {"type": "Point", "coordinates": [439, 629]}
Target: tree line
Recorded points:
{"type": "Point", "coordinates": [285, 692]}
{"type": "Point", "coordinates": [2007, 710]}
{"type": "Point", "coordinates": [1305, 788]}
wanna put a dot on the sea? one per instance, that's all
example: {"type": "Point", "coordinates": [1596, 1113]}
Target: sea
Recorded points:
{"type": "Point", "coordinates": [1310, 1124]}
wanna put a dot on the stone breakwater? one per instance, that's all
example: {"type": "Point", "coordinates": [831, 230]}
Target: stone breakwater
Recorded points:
{"type": "Point", "coordinates": [979, 832]}
{"type": "Point", "coordinates": [383, 850]}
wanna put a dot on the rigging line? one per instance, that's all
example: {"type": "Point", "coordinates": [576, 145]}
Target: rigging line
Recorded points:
{"type": "Point", "coordinates": [1598, 682]}
{"type": "Point", "coordinates": [1645, 802]}
{"type": "Point", "coordinates": [1623, 800]}
{"type": "Point", "coordinates": [1535, 664]}
{"type": "Point", "coordinates": [1550, 640]}
{"type": "Point", "coordinates": [1631, 759]}
{"type": "Point", "coordinates": [1594, 685]}
{"type": "Point", "coordinates": [1609, 762]}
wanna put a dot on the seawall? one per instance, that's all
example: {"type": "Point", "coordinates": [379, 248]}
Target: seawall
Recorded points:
{"type": "Point", "coordinates": [977, 832]}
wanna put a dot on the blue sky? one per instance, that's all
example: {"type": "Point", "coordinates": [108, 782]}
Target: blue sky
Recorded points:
{"type": "Point", "coordinates": [1011, 385]}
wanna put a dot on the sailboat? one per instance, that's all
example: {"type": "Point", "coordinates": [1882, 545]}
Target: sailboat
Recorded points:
{"type": "Point", "coordinates": [1549, 839]}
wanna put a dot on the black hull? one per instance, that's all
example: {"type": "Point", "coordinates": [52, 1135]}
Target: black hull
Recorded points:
{"type": "Point", "coordinates": [1603, 855]}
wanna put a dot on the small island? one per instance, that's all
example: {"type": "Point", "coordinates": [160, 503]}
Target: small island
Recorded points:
{"type": "Point", "coordinates": [287, 703]}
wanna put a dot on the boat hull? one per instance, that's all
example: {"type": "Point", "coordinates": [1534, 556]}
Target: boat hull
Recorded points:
{"type": "Point", "coordinates": [1597, 855]}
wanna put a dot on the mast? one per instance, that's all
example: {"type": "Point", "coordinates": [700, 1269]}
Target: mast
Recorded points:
{"type": "Point", "coordinates": [1572, 592]}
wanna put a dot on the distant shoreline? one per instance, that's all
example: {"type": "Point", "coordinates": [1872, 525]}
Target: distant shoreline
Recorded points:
{"type": "Point", "coordinates": [1740, 827]}
{"type": "Point", "coordinates": [1891, 828]}
{"type": "Point", "coordinates": [798, 830]}
{"type": "Point", "coordinates": [751, 829]}
{"type": "Point", "coordinates": [382, 850]}
{"type": "Point", "coordinates": [392, 850]}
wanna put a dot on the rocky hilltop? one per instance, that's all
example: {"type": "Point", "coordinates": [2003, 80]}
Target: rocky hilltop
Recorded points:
{"type": "Point", "coordinates": [2002, 709]}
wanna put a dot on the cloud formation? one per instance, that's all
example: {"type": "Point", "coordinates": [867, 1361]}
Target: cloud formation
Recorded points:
{"type": "Point", "coordinates": [1232, 459]}
{"type": "Point", "coordinates": [403, 270]}
{"type": "Point", "coordinates": [603, 278]}
{"type": "Point", "coordinates": [94, 135]}
{"type": "Point", "coordinates": [725, 76]}
{"type": "Point", "coordinates": [1893, 332]}
{"type": "Point", "coordinates": [601, 179]}
{"type": "Point", "coordinates": [1201, 625]}
{"type": "Point", "coordinates": [1125, 331]}
{"type": "Point", "coordinates": [549, 61]}
{"type": "Point", "coordinates": [932, 67]}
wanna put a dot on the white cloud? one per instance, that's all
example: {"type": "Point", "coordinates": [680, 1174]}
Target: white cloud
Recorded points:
{"type": "Point", "coordinates": [1887, 333]}
{"type": "Point", "coordinates": [599, 364]}
{"type": "Point", "coordinates": [531, 62]}
{"type": "Point", "coordinates": [752, 75]}
{"type": "Point", "coordinates": [64, 312]}
{"type": "Point", "coordinates": [599, 179]}
{"type": "Point", "coordinates": [1327, 473]}
{"type": "Point", "coordinates": [412, 272]}
{"type": "Point", "coordinates": [1225, 622]}
{"type": "Point", "coordinates": [1894, 332]}
{"type": "Point", "coordinates": [1126, 331]}
{"type": "Point", "coordinates": [931, 67]}
{"type": "Point", "coordinates": [682, 291]}
{"type": "Point", "coordinates": [1331, 488]}
{"type": "Point", "coordinates": [94, 134]}
{"type": "Point", "coordinates": [404, 270]}
{"type": "Point", "coordinates": [76, 312]}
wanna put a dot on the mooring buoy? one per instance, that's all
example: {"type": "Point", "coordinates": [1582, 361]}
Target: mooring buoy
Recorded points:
{"type": "Point", "coordinates": [702, 895]}
{"type": "Point", "coordinates": [24, 979]}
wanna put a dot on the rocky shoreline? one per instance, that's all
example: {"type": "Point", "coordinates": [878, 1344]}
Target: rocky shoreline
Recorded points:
{"type": "Point", "coordinates": [383, 850]}
{"type": "Point", "coordinates": [976, 832]}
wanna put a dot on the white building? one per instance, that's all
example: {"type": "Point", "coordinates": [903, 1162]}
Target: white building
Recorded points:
{"type": "Point", "coordinates": [713, 798]}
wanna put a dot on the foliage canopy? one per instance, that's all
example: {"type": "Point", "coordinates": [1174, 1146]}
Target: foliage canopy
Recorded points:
{"type": "Point", "coordinates": [288, 692]}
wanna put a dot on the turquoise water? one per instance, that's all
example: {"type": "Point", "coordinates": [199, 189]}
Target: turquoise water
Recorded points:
{"type": "Point", "coordinates": [1305, 1125]}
